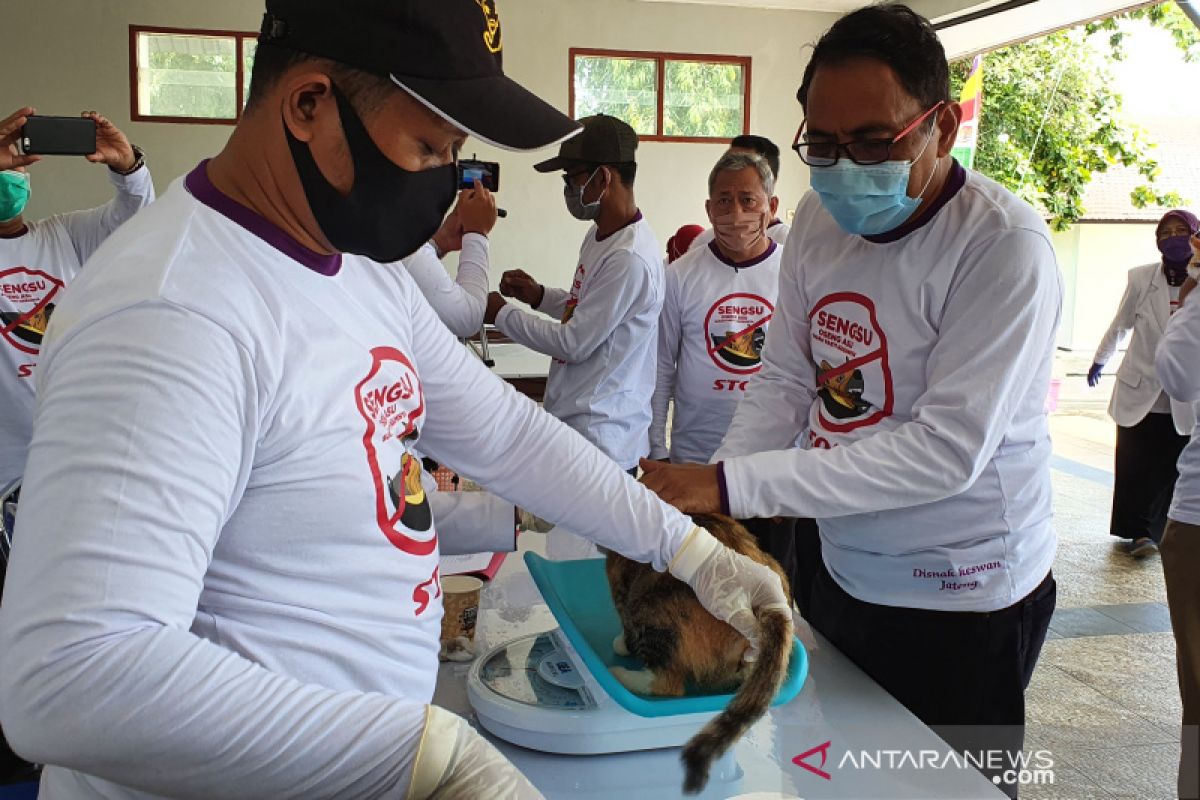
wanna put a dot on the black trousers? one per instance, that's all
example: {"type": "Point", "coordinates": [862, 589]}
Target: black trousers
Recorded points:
{"type": "Point", "coordinates": [1145, 477]}
{"type": "Point", "coordinates": [12, 768]}
{"type": "Point", "coordinates": [962, 673]}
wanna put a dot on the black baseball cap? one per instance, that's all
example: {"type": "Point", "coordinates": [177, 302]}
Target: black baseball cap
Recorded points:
{"type": "Point", "coordinates": [445, 53]}
{"type": "Point", "coordinates": [605, 140]}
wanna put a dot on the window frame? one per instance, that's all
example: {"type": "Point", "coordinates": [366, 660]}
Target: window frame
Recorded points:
{"type": "Point", "coordinates": [239, 38]}
{"type": "Point", "coordinates": [661, 58]}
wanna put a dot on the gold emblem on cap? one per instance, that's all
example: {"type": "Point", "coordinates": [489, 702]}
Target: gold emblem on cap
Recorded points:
{"type": "Point", "coordinates": [491, 34]}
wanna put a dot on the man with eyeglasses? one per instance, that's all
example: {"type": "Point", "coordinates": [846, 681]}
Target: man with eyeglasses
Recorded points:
{"type": "Point", "coordinates": [602, 331]}
{"type": "Point", "coordinates": [912, 345]}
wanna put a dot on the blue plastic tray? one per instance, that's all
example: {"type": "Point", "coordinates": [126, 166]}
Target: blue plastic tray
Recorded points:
{"type": "Point", "coordinates": [578, 595]}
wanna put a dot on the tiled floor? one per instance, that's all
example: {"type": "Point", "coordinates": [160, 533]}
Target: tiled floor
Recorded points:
{"type": "Point", "coordinates": [1103, 700]}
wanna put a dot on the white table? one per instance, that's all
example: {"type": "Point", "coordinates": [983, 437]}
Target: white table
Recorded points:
{"type": "Point", "coordinates": [838, 704]}
{"type": "Point", "coordinates": [515, 361]}
{"type": "Point", "coordinates": [525, 369]}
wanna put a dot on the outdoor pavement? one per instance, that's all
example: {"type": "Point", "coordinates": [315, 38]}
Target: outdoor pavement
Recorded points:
{"type": "Point", "coordinates": [1104, 700]}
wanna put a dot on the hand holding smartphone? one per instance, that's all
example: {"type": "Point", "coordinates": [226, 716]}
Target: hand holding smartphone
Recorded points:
{"type": "Point", "coordinates": [10, 132]}
{"type": "Point", "coordinates": [58, 136]}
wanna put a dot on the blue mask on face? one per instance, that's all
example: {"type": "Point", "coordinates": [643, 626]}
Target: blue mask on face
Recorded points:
{"type": "Point", "coordinates": [14, 194]}
{"type": "Point", "coordinates": [868, 199]}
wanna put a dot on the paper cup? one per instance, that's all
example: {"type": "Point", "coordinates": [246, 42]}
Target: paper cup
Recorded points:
{"type": "Point", "coordinates": [460, 599]}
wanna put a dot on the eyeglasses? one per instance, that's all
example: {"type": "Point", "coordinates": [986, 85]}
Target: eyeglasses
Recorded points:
{"type": "Point", "coordinates": [864, 152]}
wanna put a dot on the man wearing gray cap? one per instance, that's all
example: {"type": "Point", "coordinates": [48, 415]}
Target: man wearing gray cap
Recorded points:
{"type": "Point", "coordinates": [224, 581]}
{"type": "Point", "coordinates": [601, 332]}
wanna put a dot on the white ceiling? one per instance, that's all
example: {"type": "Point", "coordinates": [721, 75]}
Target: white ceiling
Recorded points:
{"type": "Point", "coordinates": [995, 30]}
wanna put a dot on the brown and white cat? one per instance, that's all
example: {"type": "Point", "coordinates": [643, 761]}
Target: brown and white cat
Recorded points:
{"type": "Point", "coordinates": [683, 645]}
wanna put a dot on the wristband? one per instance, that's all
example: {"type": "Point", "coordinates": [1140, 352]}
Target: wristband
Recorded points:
{"type": "Point", "coordinates": [139, 161]}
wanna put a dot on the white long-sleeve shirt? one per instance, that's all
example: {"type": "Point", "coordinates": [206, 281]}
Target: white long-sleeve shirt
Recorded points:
{"type": "Point", "coordinates": [473, 520]}
{"type": "Point", "coordinates": [603, 340]}
{"type": "Point", "coordinates": [920, 365]}
{"type": "Point", "coordinates": [1178, 365]}
{"type": "Point", "coordinates": [714, 320]}
{"type": "Point", "coordinates": [35, 267]}
{"type": "Point", "coordinates": [1145, 310]}
{"type": "Point", "coordinates": [224, 579]}
{"type": "Point", "coordinates": [459, 303]}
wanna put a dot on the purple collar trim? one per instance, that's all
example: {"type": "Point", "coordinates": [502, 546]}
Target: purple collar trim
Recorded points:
{"type": "Point", "coordinates": [24, 230]}
{"type": "Point", "coordinates": [716, 251]}
{"type": "Point", "coordinates": [954, 182]}
{"type": "Point", "coordinates": [201, 188]}
{"type": "Point", "coordinates": [633, 221]}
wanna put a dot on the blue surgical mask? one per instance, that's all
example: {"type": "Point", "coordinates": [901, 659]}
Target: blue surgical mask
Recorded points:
{"type": "Point", "coordinates": [868, 199]}
{"type": "Point", "coordinates": [14, 194]}
{"type": "Point", "coordinates": [573, 195]}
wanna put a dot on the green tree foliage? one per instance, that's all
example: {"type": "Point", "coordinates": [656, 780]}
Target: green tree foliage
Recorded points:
{"type": "Point", "coordinates": [620, 87]}
{"type": "Point", "coordinates": [1051, 121]}
{"type": "Point", "coordinates": [702, 99]}
{"type": "Point", "coordinates": [190, 77]}
{"type": "Point", "coordinates": [1164, 15]}
{"type": "Point", "coordinates": [699, 98]}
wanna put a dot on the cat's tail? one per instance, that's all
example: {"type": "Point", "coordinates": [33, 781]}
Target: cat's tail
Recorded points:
{"type": "Point", "coordinates": [752, 700]}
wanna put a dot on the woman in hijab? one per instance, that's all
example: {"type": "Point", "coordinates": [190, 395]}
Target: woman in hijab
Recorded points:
{"type": "Point", "coordinates": [1152, 429]}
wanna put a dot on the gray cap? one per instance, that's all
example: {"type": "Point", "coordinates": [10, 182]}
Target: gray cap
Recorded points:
{"type": "Point", "coordinates": [604, 140]}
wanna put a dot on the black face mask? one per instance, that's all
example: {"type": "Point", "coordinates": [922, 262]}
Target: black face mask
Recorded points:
{"type": "Point", "coordinates": [389, 212]}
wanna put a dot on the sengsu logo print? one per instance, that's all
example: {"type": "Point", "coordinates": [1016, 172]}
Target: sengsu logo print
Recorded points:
{"type": "Point", "coordinates": [841, 391]}
{"type": "Point", "coordinates": [735, 329]}
{"type": "Point", "coordinates": [392, 405]}
{"type": "Point", "coordinates": [573, 296]}
{"type": "Point", "coordinates": [26, 297]}
{"type": "Point", "coordinates": [854, 380]}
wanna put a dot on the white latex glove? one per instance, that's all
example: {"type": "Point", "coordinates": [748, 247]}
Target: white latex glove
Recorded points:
{"type": "Point", "coordinates": [455, 762]}
{"type": "Point", "coordinates": [729, 585]}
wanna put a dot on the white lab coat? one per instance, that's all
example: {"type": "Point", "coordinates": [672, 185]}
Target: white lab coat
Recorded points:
{"type": "Point", "coordinates": [1145, 310]}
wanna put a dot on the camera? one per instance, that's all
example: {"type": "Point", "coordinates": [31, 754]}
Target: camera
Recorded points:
{"type": "Point", "coordinates": [486, 172]}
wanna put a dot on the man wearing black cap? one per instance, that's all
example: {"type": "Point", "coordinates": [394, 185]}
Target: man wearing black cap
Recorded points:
{"type": "Point", "coordinates": [225, 577]}
{"type": "Point", "coordinates": [602, 331]}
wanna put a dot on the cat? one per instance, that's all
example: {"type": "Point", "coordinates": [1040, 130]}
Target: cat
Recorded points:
{"type": "Point", "coordinates": [683, 645]}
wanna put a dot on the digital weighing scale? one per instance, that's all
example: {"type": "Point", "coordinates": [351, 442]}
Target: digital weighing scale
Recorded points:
{"type": "Point", "coordinates": [553, 691]}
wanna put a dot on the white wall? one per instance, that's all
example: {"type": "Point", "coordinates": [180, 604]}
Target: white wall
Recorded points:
{"type": "Point", "coordinates": [66, 56]}
{"type": "Point", "coordinates": [671, 184]}
{"type": "Point", "coordinates": [63, 56]}
{"type": "Point", "coordinates": [1095, 259]}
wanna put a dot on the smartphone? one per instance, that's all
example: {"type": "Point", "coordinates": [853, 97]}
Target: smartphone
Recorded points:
{"type": "Point", "coordinates": [486, 172]}
{"type": "Point", "coordinates": [58, 136]}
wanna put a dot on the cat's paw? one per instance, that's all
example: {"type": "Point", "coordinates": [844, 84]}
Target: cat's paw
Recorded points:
{"type": "Point", "coordinates": [637, 681]}
{"type": "Point", "coordinates": [619, 645]}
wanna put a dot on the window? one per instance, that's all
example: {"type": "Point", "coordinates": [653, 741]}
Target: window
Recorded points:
{"type": "Point", "coordinates": [664, 96]}
{"type": "Point", "coordinates": [196, 76]}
